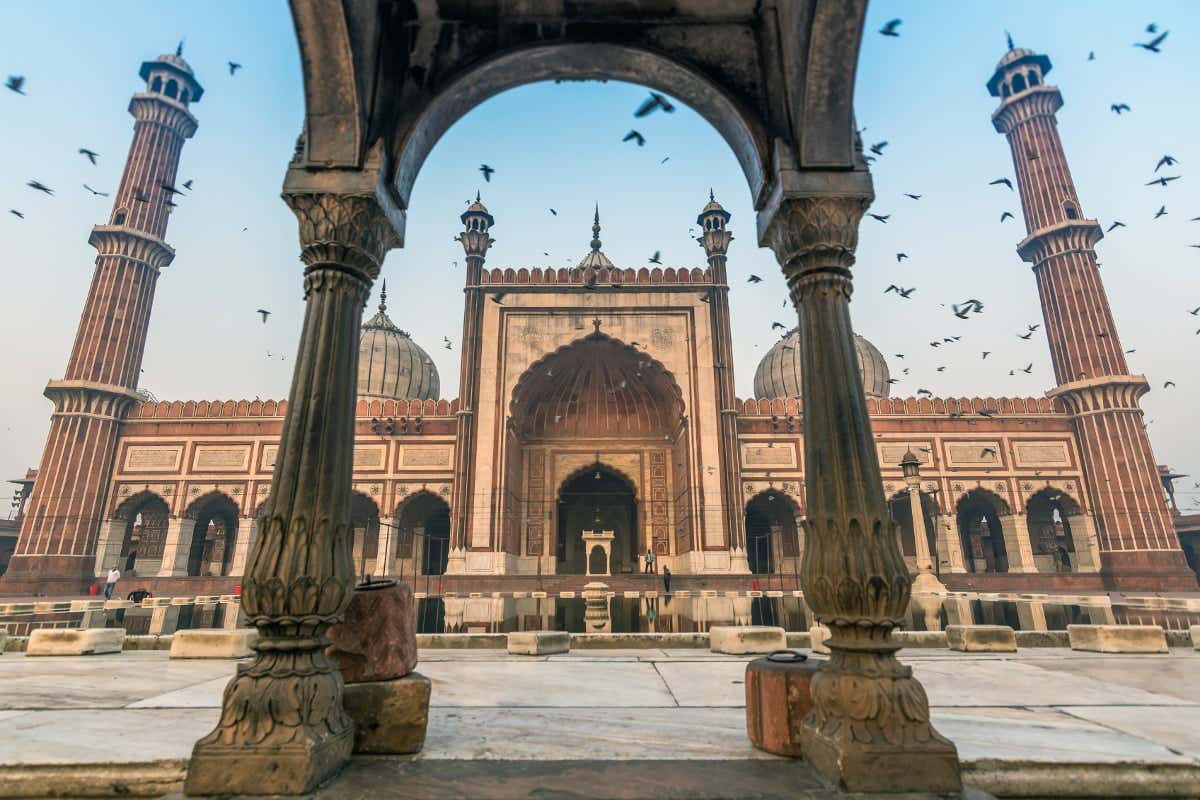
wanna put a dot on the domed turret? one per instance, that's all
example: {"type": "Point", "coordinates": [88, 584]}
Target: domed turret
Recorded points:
{"type": "Point", "coordinates": [391, 366]}
{"type": "Point", "coordinates": [778, 374]}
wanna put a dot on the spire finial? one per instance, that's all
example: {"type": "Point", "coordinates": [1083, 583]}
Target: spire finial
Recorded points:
{"type": "Point", "coordinates": [383, 297]}
{"type": "Point", "coordinates": [1008, 37]}
{"type": "Point", "coordinates": [596, 230]}
{"type": "Point", "coordinates": [477, 200]}
{"type": "Point", "coordinates": [179, 48]}
{"type": "Point", "coordinates": [711, 198]}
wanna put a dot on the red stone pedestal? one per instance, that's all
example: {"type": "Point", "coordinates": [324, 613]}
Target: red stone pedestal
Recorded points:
{"type": "Point", "coordinates": [778, 697]}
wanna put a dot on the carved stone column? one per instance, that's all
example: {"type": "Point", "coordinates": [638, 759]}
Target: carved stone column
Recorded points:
{"type": "Point", "coordinates": [869, 729]}
{"type": "Point", "coordinates": [283, 729]}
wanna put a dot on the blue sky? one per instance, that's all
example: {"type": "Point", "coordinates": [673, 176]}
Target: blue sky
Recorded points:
{"type": "Point", "coordinates": [559, 146]}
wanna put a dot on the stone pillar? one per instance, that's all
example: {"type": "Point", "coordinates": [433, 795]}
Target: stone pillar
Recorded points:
{"type": "Point", "coordinates": [1087, 544]}
{"type": "Point", "coordinates": [176, 546]}
{"type": "Point", "coordinates": [247, 532]}
{"type": "Point", "coordinates": [1015, 529]}
{"type": "Point", "coordinates": [950, 550]}
{"type": "Point", "coordinates": [282, 728]}
{"type": "Point", "coordinates": [389, 536]}
{"type": "Point", "coordinates": [111, 541]}
{"type": "Point", "coordinates": [869, 729]}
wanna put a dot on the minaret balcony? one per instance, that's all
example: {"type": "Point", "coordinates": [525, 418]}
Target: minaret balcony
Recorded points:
{"type": "Point", "coordinates": [1069, 236]}
{"type": "Point", "coordinates": [121, 240]}
{"type": "Point", "coordinates": [1034, 102]}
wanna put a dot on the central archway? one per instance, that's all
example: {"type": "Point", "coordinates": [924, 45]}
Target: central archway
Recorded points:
{"type": "Point", "coordinates": [600, 499]}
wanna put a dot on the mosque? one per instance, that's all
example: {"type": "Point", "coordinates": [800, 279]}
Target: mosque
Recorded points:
{"type": "Point", "coordinates": [597, 420]}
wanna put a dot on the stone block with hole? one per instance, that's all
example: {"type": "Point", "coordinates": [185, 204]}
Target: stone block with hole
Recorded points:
{"type": "Point", "coordinates": [1117, 638]}
{"type": "Point", "coordinates": [214, 643]}
{"type": "Point", "coordinates": [981, 638]}
{"type": "Point", "coordinates": [75, 641]}
{"type": "Point", "coordinates": [740, 640]}
{"type": "Point", "coordinates": [390, 717]}
{"type": "Point", "coordinates": [538, 643]}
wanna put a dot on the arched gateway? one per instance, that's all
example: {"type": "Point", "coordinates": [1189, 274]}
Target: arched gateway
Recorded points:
{"type": "Point", "coordinates": [382, 82]}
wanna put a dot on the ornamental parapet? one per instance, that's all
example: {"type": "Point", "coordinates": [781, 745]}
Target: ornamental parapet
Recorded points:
{"type": "Point", "coordinates": [1098, 395]}
{"type": "Point", "coordinates": [126, 242]}
{"type": "Point", "coordinates": [1039, 101]}
{"type": "Point", "coordinates": [916, 406]}
{"type": "Point", "coordinates": [1071, 236]}
{"type": "Point", "coordinates": [238, 409]}
{"type": "Point", "coordinates": [159, 109]}
{"type": "Point", "coordinates": [89, 398]}
{"type": "Point", "coordinates": [574, 276]}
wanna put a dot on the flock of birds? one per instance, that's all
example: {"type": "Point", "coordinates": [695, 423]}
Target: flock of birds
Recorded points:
{"type": "Point", "coordinates": [973, 306]}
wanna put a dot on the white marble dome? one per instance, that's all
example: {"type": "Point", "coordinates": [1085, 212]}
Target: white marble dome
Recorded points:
{"type": "Point", "coordinates": [391, 366]}
{"type": "Point", "coordinates": [778, 374]}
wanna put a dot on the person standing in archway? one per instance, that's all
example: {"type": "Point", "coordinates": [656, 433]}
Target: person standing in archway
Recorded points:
{"type": "Point", "coordinates": [650, 568]}
{"type": "Point", "coordinates": [666, 579]}
{"type": "Point", "coordinates": [114, 575]}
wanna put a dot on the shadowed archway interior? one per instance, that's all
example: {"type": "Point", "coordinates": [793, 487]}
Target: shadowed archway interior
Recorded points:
{"type": "Point", "coordinates": [597, 499]}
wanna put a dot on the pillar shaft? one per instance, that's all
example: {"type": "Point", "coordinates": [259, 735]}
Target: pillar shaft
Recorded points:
{"type": "Point", "coordinates": [869, 729]}
{"type": "Point", "coordinates": [283, 729]}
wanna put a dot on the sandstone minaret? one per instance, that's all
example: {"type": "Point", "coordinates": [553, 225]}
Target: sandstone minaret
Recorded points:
{"type": "Point", "coordinates": [56, 547]}
{"type": "Point", "coordinates": [1138, 545]}
{"type": "Point", "coordinates": [715, 238]}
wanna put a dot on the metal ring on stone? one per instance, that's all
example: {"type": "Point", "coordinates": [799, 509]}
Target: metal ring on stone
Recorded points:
{"type": "Point", "coordinates": [786, 656]}
{"type": "Point", "coordinates": [371, 585]}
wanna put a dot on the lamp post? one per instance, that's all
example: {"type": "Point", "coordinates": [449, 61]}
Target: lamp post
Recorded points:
{"type": "Point", "coordinates": [925, 582]}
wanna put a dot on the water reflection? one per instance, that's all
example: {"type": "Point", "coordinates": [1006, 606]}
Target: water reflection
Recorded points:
{"type": "Point", "coordinates": [598, 611]}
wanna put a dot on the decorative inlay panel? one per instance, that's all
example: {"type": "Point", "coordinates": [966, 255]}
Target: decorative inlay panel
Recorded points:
{"type": "Point", "coordinates": [426, 456]}
{"type": "Point", "coordinates": [370, 456]}
{"type": "Point", "coordinates": [145, 458]}
{"type": "Point", "coordinates": [658, 502]}
{"type": "Point", "coordinates": [783, 454]}
{"type": "Point", "coordinates": [221, 458]}
{"type": "Point", "coordinates": [891, 454]}
{"type": "Point", "coordinates": [1042, 454]}
{"type": "Point", "coordinates": [973, 453]}
{"type": "Point", "coordinates": [536, 495]}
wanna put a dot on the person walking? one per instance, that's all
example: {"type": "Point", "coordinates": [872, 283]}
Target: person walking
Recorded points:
{"type": "Point", "coordinates": [114, 575]}
{"type": "Point", "coordinates": [650, 561]}
{"type": "Point", "coordinates": [666, 579]}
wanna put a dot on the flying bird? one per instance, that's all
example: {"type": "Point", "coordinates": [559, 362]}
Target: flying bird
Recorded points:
{"type": "Point", "coordinates": [1033, 328]}
{"type": "Point", "coordinates": [1117, 108]}
{"type": "Point", "coordinates": [188, 184]}
{"type": "Point", "coordinates": [1152, 45]}
{"type": "Point", "coordinates": [264, 313]}
{"type": "Point", "coordinates": [91, 155]}
{"type": "Point", "coordinates": [778, 325]}
{"type": "Point", "coordinates": [1166, 161]}
{"type": "Point", "coordinates": [881, 217]}
{"type": "Point", "coordinates": [14, 83]}
{"type": "Point", "coordinates": [1116, 224]}
{"type": "Point", "coordinates": [986, 353]}
{"type": "Point", "coordinates": [94, 192]}
{"type": "Point", "coordinates": [1168, 384]}
{"type": "Point", "coordinates": [655, 101]}
{"type": "Point", "coordinates": [487, 172]}
{"type": "Point", "coordinates": [1091, 55]}
{"type": "Point", "coordinates": [905, 293]}
{"type": "Point", "coordinates": [877, 148]}
{"type": "Point", "coordinates": [1164, 180]}
{"type": "Point", "coordinates": [900, 257]}
{"type": "Point", "coordinates": [1006, 215]}
{"type": "Point", "coordinates": [233, 67]}
{"type": "Point", "coordinates": [656, 258]}
{"type": "Point", "coordinates": [1028, 368]}
{"type": "Point", "coordinates": [986, 451]}
{"type": "Point", "coordinates": [39, 186]}
{"type": "Point", "coordinates": [890, 28]}
{"type": "Point", "coordinates": [912, 196]}
{"type": "Point", "coordinates": [1001, 181]}
{"type": "Point", "coordinates": [497, 297]}
{"type": "Point", "coordinates": [555, 213]}
{"type": "Point", "coordinates": [1162, 212]}
{"type": "Point", "coordinates": [754, 279]}
{"type": "Point", "coordinates": [925, 392]}
{"type": "Point", "coordinates": [1025, 336]}
{"type": "Point", "coordinates": [635, 136]}
{"type": "Point", "coordinates": [16, 213]}
{"type": "Point", "coordinates": [142, 197]}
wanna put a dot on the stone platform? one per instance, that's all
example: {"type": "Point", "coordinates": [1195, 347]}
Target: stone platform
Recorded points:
{"type": "Point", "coordinates": [1027, 724]}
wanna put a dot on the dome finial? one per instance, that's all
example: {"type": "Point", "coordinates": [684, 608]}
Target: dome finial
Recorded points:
{"type": "Point", "coordinates": [596, 230]}
{"type": "Point", "coordinates": [179, 48]}
{"type": "Point", "coordinates": [383, 297]}
{"type": "Point", "coordinates": [711, 197]}
{"type": "Point", "coordinates": [1009, 39]}
{"type": "Point", "coordinates": [477, 200]}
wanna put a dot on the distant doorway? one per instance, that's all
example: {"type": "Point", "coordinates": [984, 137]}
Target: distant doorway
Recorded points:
{"type": "Point", "coordinates": [771, 541]}
{"type": "Point", "coordinates": [597, 499]}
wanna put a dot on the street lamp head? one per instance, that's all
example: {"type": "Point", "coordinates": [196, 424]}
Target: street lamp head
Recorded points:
{"type": "Point", "coordinates": [910, 465]}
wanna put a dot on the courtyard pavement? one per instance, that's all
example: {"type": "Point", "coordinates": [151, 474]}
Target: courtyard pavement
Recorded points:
{"type": "Point", "coordinates": [1048, 711]}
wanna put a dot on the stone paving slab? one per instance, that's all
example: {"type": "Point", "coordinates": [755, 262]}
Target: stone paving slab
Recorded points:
{"type": "Point", "coordinates": [1175, 728]}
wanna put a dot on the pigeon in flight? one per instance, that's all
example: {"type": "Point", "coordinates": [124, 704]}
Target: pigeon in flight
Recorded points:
{"type": "Point", "coordinates": [1116, 224]}
{"type": "Point", "coordinates": [1164, 180]}
{"type": "Point", "coordinates": [233, 67]}
{"type": "Point", "coordinates": [900, 257]}
{"type": "Point", "coordinates": [779, 325]}
{"type": "Point", "coordinates": [1002, 181]}
{"type": "Point", "coordinates": [1152, 46]}
{"type": "Point", "coordinates": [1025, 336]}
{"type": "Point", "coordinates": [655, 101]}
{"type": "Point", "coordinates": [912, 196]}
{"type": "Point", "coordinates": [188, 184]}
{"type": "Point", "coordinates": [264, 313]}
{"type": "Point", "coordinates": [497, 297]}
{"type": "Point", "coordinates": [905, 293]}
{"type": "Point", "coordinates": [16, 213]}
{"type": "Point", "coordinates": [39, 186]}
{"type": "Point", "coordinates": [881, 217]}
{"type": "Point", "coordinates": [1166, 161]}
{"type": "Point", "coordinates": [487, 172]}
{"type": "Point", "coordinates": [91, 155]}
{"type": "Point", "coordinates": [656, 258]}
{"type": "Point", "coordinates": [635, 136]}
{"type": "Point", "coordinates": [1006, 215]}
{"type": "Point", "coordinates": [1162, 212]}
{"type": "Point", "coordinates": [877, 148]}
{"type": "Point", "coordinates": [1118, 108]}
{"type": "Point", "coordinates": [1028, 369]}
{"type": "Point", "coordinates": [754, 279]}
{"type": "Point", "coordinates": [555, 213]}
{"type": "Point", "coordinates": [94, 192]}
{"type": "Point", "coordinates": [890, 28]}
{"type": "Point", "coordinates": [1169, 384]}
{"type": "Point", "coordinates": [15, 83]}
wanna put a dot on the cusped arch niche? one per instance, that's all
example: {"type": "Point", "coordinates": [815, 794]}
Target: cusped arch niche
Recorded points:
{"type": "Point", "coordinates": [593, 387]}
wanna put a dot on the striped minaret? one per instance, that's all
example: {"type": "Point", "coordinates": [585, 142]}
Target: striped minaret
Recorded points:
{"type": "Point", "coordinates": [1138, 545]}
{"type": "Point", "coordinates": [57, 544]}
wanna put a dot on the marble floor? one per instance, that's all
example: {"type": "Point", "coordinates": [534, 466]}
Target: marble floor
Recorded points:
{"type": "Point", "coordinates": [1051, 706]}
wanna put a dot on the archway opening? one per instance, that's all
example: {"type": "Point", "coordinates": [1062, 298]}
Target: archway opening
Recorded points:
{"type": "Point", "coordinates": [900, 507]}
{"type": "Point", "coordinates": [597, 499]}
{"type": "Point", "coordinates": [981, 532]}
{"type": "Point", "coordinates": [424, 535]}
{"type": "Point", "coordinates": [1048, 516]}
{"type": "Point", "coordinates": [772, 543]}
{"type": "Point", "coordinates": [214, 536]}
{"type": "Point", "coordinates": [364, 523]}
{"type": "Point", "coordinates": [145, 531]}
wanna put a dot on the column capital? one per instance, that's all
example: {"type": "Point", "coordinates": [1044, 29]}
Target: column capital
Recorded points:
{"type": "Point", "coordinates": [345, 232]}
{"type": "Point", "coordinates": [815, 233]}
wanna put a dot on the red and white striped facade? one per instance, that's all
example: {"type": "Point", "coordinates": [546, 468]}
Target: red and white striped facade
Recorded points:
{"type": "Point", "coordinates": [60, 529]}
{"type": "Point", "coordinates": [1134, 527]}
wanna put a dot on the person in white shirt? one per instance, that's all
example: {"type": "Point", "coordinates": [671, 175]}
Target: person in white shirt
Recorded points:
{"type": "Point", "coordinates": [114, 575]}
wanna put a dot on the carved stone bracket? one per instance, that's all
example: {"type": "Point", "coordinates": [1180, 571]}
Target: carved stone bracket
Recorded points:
{"type": "Point", "coordinates": [283, 729]}
{"type": "Point", "coordinates": [869, 729]}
